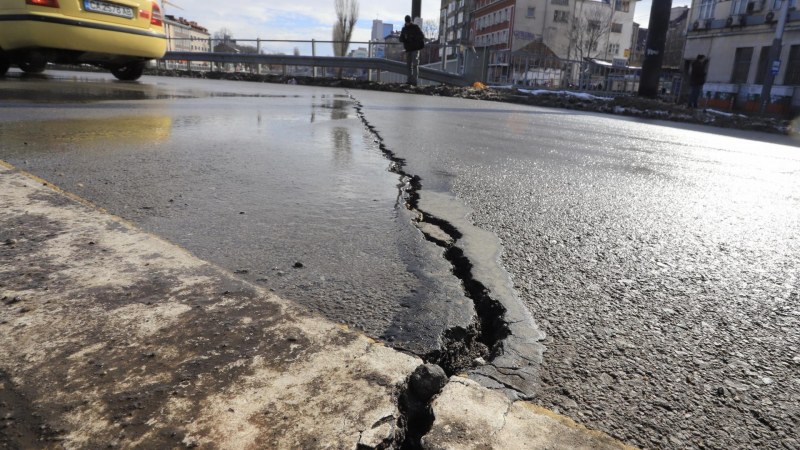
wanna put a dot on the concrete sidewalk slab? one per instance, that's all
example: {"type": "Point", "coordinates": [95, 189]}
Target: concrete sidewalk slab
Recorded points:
{"type": "Point", "coordinates": [469, 416]}
{"type": "Point", "coordinates": [112, 337]}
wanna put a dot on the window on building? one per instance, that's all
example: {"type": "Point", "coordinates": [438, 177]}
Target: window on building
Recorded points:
{"type": "Point", "coordinates": [706, 9]}
{"type": "Point", "coordinates": [616, 27]}
{"type": "Point", "coordinates": [623, 5]}
{"type": "Point", "coordinates": [560, 2]}
{"type": "Point", "coordinates": [793, 66]}
{"type": "Point", "coordinates": [741, 64]}
{"type": "Point", "coordinates": [763, 65]}
{"type": "Point", "coordinates": [560, 16]}
{"type": "Point", "coordinates": [777, 4]}
{"type": "Point", "coordinates": [739, 6]}
{"type": "Point", "coordinates": [613, 49]}
{"type": "Point", "coordinates": [593, 24]}
{"type": "Point", "coordinates": [531, 12]}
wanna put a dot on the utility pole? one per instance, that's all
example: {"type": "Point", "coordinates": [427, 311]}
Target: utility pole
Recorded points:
{"type": "Point", "coordinates": [416, 9]}
{"type": "Point", "coordinates": [654, 50]}
{"type": "Point", "coordinates": [774, 59]}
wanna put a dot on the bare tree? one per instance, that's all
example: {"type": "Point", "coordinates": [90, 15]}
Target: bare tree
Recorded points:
{"type": "Point", "coordinates": [346, 18]}
{"type": "Point", "coordinates": [224, 34]}
{"type": "Point", "coordinates": [589, 29]}
{"type": "Point", "coordinates": [431, 28]}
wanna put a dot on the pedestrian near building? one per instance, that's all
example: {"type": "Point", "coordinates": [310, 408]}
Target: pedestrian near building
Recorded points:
{"type": "Point", "coordinates": [413, 41]}
{"type": "Point", "coordinates": [697, 78]}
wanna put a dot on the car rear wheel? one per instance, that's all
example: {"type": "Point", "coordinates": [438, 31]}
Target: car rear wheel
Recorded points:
{"type": "Point", "coordinates": [129, 72]}
{"type": "Point", "coordinates": [34, 64]}
{"type": "Point", "coordinates": [4, 63]}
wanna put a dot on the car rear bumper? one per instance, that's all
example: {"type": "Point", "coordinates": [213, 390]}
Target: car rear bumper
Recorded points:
{"type": "Point", "coordinates": [26, 31]}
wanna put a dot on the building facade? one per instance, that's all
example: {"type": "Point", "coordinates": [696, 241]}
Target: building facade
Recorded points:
{"type": "Point", "coordinates": [488, 33]}
{"type": "Point", "coordinates": [576, 30]}
{"type": "Point", "coordinates": [455, 39]}
{"type": "Point", "coordinates": [736, 37]}
{"type": "Point", "coordinates": [186, 36]}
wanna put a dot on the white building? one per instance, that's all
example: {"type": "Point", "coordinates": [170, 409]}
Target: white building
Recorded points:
{"type": "Point", "coordinates": [186, 36]}
{"type": "Point", "coordinates": [736, 37]}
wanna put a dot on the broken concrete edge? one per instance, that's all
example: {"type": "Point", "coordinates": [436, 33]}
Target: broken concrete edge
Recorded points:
{"type": "Point", "coordinates": [514, 363]}
{"type": "Point", "coordinates": [469, 416]}
{"type": "Point", "coordinates": [503, 329]}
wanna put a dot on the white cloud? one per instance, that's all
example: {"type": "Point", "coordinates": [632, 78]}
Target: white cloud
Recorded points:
{"type": "Point", "coordinates": [292, 19]}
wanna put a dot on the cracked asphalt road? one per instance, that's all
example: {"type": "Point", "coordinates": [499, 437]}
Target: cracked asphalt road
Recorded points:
{"type": "Point", "coordinates": [661, 260]}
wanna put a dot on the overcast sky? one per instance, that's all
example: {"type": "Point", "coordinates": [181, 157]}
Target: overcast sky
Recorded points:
{"type": "Point", "coordinates": [642, 13]}
{"type": "Point", "coordinates": [311, 19]}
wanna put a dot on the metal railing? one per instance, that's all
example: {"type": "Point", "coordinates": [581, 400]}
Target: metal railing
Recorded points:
{"type": "Point", "coordinates": [385, 62]}
{"type": "Point", "coordinates": [368, 60]}
{"type": "Point", "coordinates": [527, 70]}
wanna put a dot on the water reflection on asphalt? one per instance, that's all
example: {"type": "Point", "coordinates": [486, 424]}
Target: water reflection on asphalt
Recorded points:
{"type": "Point", "coordinates": [255, 178]}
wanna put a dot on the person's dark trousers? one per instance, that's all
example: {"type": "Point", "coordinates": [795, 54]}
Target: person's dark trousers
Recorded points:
{"type": "Point", "coordinates": [412, 62]}
{"type": "Point", "coordinates": [694, 96]}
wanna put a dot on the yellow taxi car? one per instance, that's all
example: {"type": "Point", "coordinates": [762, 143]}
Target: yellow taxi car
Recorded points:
{"type": "Point", "coordinates": [118, 35]}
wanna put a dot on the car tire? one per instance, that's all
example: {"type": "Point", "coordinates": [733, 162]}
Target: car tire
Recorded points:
{"type": "Point", "coordinates": [129, 72]}
{"type": "Point", "coordinates": [33, 65]}
{"type": "Point", "coordinates": [4, 63]}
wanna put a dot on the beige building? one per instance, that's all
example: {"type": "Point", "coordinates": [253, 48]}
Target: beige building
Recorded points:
{"type": "Point", "coordinates": [186, 36]}
{"type": "Point", "coordinates": [736, 36]}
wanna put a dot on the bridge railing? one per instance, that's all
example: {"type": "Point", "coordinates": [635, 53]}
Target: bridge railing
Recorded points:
{"type": "Point", "coordinates": [385, 62]}
{"type": "Point", "coordinates": [377, 61]}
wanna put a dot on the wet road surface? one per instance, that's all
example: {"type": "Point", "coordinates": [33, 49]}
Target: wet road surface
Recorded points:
{"type": "Point", "coordinates": [280, 184]}
{"type": "Point", "coordinates": [661, 260]}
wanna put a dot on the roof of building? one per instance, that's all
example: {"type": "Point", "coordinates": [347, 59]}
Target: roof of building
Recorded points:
{"type": "Point", "coordinates": [188, 23]}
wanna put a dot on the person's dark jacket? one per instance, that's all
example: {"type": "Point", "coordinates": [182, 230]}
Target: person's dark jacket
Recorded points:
{"type": "Point", "coordinates": [412, 37]}
{"type": "Point", "coordinates": [697, 77]}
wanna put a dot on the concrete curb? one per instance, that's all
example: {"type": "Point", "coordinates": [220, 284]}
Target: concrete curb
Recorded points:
{"type": "Point", "coordinates": [110, 336]}
{"type": "Point", "coordinates": [469, 416]}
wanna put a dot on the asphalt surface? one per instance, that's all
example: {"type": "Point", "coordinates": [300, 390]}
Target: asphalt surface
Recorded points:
{"type": "Point", "coordinates": [660, 260]}
{"type": "Point", "coordinates": [281, 185]}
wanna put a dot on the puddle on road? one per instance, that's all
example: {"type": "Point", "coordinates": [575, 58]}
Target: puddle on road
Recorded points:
{"type": "Point", "coordinates": [58, 89]}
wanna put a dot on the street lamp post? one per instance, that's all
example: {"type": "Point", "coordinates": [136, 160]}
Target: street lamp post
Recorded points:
{"type": "Point", "coordinates": [654, 50]}
{"type": "Point", "coordinates": [774, 59]}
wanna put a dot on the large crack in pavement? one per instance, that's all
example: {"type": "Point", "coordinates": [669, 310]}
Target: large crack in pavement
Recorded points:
{"type": "Point", "coordinates": [502, 347]}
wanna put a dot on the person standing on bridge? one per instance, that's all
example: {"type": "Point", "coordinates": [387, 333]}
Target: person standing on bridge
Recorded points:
{"type": "Point", "coordinates": [413, 41]}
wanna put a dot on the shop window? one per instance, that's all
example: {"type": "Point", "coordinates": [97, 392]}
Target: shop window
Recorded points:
{"type": "Point", "coordinates": [763, 65]}
{"type": "Point", "coordinates": [741, 64]}
{"type": "Point", "coordinates": [793, 67]}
